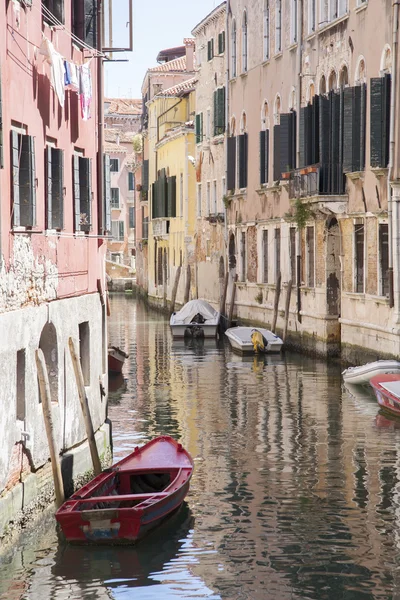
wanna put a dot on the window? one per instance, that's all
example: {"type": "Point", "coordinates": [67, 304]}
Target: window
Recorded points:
{"type": "Point", "coordinates": [359, 257]}
{"type": "Point", "coordinates": [323, 12]}
{"type": "Point", "coordinates": [145, 176]}
{"type": "Point", "coordinates": [208, 197]}
{"type": "Point", "coordinates": [199, 128]}
{"type": "Point", "coordinates": [234, 49]}
{"type": "Point", "coordinates": [114, 165]}
{"type": "Point", "coordinates": [354, 128]}
{"type": "Point", "coordinates": [117, 231]}
{"type": "Point", "coordinates": [264, 156]}
{"type": "Point", "coordinates": [380, 120]}
{"type": "Point", "coordinates": [210, 49]}
{"type": "Point", "coordinates": [84, 350]}
{"type": "Point", "coordinates": [278, 26]}
{"type": "Point", "coordinates": [131, 182]}
{"type": "Point", "coordinates": [243, 255]}
{"type": "Point", "coordinates": [383, 259]}
{"type": "Point", "coordinates": [277, 253]}
{"type": "Point", "coordinates": [244, 43]}
{"type": "Point", "coordinates": [292, 253]}
{"type": "Point", "coordinates": [84, 21]}
{"type": "Point", "coordinates": [53, 11]}
{"type": "Point", "coordinates": [54, 188]}
{"type": "Point", "coordinates": [21, 407]}
{"type": "Point", "coordinates": [199, 199]}
{"type": "Point", "coordinates": [293, 21]}
{"type": "Point", "coordinates": [115, 198]}
{"type": "Point", "coordinates": [221, 42]}
{"type": "Point", "coordinates": [23, 179]}
{"type": "Point", "coordinates": [310, 256]}
{"type": "Point", "coordinates": [265, 256]}
{"type": "Point", "coordinates": [219, 111]}
{"type": "Point", "coordinates": [164, 196]}
{"type": "Point", "coordinates": [311, 16]}
{"type": "Point", "coordinates": [82, 168]}
{"type": "Point", "coordinates": [181, 190]}
{"type": "Point", "coordinates": [242, 160]}
{"type": "Point", "coordinates": [266, 29]}
{"type": "Point", "coordinates": [338, 8]}
{"type": "Point", "coordinates": [214, 197]}
{"type": "Point", "coordinates": [131, 217]}
{"type": "Point", "coordinates": [231, 155]}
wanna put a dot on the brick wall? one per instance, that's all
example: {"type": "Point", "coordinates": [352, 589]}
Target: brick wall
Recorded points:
{"type": "Point", "coordinates": [19, 466]}
{"type": "Point", "coordinates": [252, 259]}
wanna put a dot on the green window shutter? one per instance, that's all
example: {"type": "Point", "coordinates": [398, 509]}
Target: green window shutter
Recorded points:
{"type": "Point", "coordinates": [77, 193]}
{"type": "Point", "coordinates": [145, 176]}
{"type": "Point", "coordinates": [198, 135]}
{"type": "Point", "coordinates": [49, 188]}
{"type": "Point", "coordinates": [216, 116]}
{"type": "Point", "coordinates": [209, 50]}
{"type": "Point", "coordinates": [201, 127]}
{"type": "Point", "coordinates": [57, 166]}
{"type": "Point", "coordinates": [107, 193]}
{"type": "Point", "coordinates": [376, 121]}
{"type": "Point", "coordinates": [231, 175]}
{"type": "Point", "coordinates": [131, 182]}
{"type": "Point", "coordinates": [15, 138]}
{"type": "Point", "coordinates": [221, 42]}
{"type": "Point", "coordinates": [27, 181]}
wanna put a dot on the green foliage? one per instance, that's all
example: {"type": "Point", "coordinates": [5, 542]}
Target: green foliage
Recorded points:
{"type": "Point", "coordinates": [259, 297]}
{"type": "Point", "coordinates": [137, 144]}
{"type": "Point", "coordinates": [227, 201]}
{"type": "Point", "coordinates": [299, 213]}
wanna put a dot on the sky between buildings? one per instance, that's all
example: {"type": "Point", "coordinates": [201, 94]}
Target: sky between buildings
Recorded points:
{"type": "Point", "coordinates": [158, 24]}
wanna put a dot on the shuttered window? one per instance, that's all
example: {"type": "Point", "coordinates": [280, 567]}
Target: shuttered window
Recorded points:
{"type": "Point", "coordinates": [384, 259]}
{"type": "Point", "coordinates": [354, 123]}
{"type": "Point", "coordinates": [164, 196]}
{"type": "Point", "coordinates": [221, 42]}
{"type": "Point", "coordinates": [23, 180]}
{"type": "Point", "coordinates": [287, 144]}
{"type": "Point", "coordinates": [53, 11]}
{"type": "Point", "coordinates": [117, 231]}
{"type": "Point", "coordinates": [107, 194]}
{"type": "Point", "coordinates": [84, 21]}
{"type": "Point", "coordinates": [82, 170]}
{"type": "Point", "coordinates": [264, 156]}
{"type": "Point", "coordinates": [277, 153]}
{"type": "Point", "coordinates": [359, 257]}
{"type": "Point", "coordinates": [54, 188]}
{"type": "Point", "coordinates": [231, 180]}
{"type": "Point", "coordinates": [331, 118]}
{"type": "Point", "coordinates": [199, 128]}
{"type": "Point", "coordinates": [380, 121]}
{"type": "Point", "coordinates": [131, 182]}
{"type": "Point", "coordinates": [243, 160]}
{"type": "Point", "coordinates": [131, 217]}
{"type": "Point", "coordinates": [145, 176]}
{"type": "Point", "coordinates": [309, 134]}
{"type": "Point", "coordinates": [115, 197]}
{"type": "Point", "coordinates": [219, 111]}
{"type": "Point", "coordinates": [210, 49]}
{"type": "Point", "coordinates": [265, 256]}
{"type": "Point", "coordinates": [114, 165]}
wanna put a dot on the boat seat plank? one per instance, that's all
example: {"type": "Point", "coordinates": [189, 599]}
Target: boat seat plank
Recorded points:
{"type": "Point", "coordinates": [121, 498]}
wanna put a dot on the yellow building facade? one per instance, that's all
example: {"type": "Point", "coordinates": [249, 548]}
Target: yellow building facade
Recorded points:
{"type": "Point", "coordinates": [172, 193]}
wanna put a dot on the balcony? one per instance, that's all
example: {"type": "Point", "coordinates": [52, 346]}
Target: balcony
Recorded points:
{"type": "Point", "coordinates": [316, 180]}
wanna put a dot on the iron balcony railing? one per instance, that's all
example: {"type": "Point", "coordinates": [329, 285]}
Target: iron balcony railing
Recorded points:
{"type": "Point", "coordinates": [317, 180]}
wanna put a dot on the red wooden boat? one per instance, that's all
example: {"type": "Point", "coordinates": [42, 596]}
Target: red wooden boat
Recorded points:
{"type": "Point", "coordinates": [123, 503]}
{"type": "Point", "coordinates": [116, 359]}
{"type": "Point", "coordinates": [387, 392]}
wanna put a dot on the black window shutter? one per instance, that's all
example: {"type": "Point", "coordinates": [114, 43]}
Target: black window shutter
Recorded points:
{"type": "Point", "coordinates": [216, 115]}
{"type": "Point", "coordinates": [85, 184]}
{"type": "Point", "coordinates": [267, 156]}
{"type": "Point", "coordinates": [303, 136]}
{"type": "Point", "coordinates": [77, 193]}
{"type": "Point", "coordinates": [171, 197]}
{"type": "Point", "coordinates": [57, 165]}
{"type": "Point", "coordinates": [27, 191]}
{"type": "Point", "coordinates": [245, 158]}
{"type": "Point", "coordinates": [222, 109]}
{"type": "Point", "coordinates": [292, 139]}
{"type": "Point", "coordinates": [277, 153]}
{"type": "Point", "coordinates": [286, 142]}
{"type": "Point", "coordinates": [107, 193]}
{"type": "Point", "coordinates": [145, 176]}
{"type": "Point", "coordinates": [198, 130]}
{"type": "Point", "coordinates": [376, 121]}
{"type": "Point", "coordinates": [387, 84]}
{"type": "Point", "coordinates": [242, 142]}
{"type": "Point", "coordinates": [15, 137]}
{"type": "Point", "coordinates": [363, 124]}
{"type": "Point", "coordinates": [308, 136]}
{"type": "Point", "coordinates": [154, 200]}
{"type": "Point", "coordinates": [231, 175]}
{"type": "Point", "coordinates": [348, 129]}
{"type": "Point", "coordinates": [314, 159]}
{"type": "Point", "coordinates": [262, 157]}
{"type": "Point", "coordinates": [324, 128]}
{"type": "Point", "coordinates": [90, 32]}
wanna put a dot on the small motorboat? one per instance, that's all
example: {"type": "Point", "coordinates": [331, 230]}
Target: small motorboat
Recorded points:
{"type": "Point", "coordinates": [196, 319]}
{"type": "Point", "coordinates": [116, 359]}
{"type": "Point", "coordinates": [387, 392]}
{"type": "Point", "coordinates": [253, 339]}
{"type": "Point", "coordinates": [123, 503]}
{"type": "Point", "coordinates": [363, 374]}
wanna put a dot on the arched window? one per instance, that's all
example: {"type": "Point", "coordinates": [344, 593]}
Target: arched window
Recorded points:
{"type": "Point", "coordinates": [233, 127]}
{"type": "Point", "coordinates": [234, 48]}
{"type": "Point", "coordinates": [343, 77]}
{"type": "Point", "coordinates": [266, 29]}
{"type": "Point", "coordinates": [310, 92]}
{"type": "Point", "coordinates": [386, 60]}
{"type": "Point", "coordinates": [292, 99]}
{"type": "Point", "coordinates": [244, 43]}
{"type": "Point", "coordinates": [265, 116]}
{"type": "Point", "coordinates": [278, 26]}
{"type": "Point", "coordinates": [332, 81]}
{"type": "Point", "coordinates": [361, 72]}
{"type": "Point", "coordinates": [322, 86]}
{"type": "Point", "coordinates": [277, 110]}
{"type": "Point", "coordinates": [243, 123]}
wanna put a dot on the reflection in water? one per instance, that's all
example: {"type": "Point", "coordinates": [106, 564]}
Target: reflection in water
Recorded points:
{"type": "Point", "coordinates": [295, 490]}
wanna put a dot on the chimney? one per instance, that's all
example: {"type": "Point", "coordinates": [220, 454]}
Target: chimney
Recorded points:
{"type": "Point", "coordinates": [189, 45]}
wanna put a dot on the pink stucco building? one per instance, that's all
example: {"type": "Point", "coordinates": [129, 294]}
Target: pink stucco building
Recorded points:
{"type": "Point", "coordinates": [53, 222]}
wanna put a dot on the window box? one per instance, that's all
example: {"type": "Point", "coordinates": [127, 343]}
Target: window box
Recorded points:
{"type": "Point", "coordinates": [286, 175]}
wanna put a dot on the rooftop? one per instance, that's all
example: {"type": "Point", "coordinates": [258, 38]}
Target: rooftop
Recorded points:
{"type": "Point", "coordinates": [123, 106]}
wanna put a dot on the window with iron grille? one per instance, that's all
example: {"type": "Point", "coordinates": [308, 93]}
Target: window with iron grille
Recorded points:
{"type": "Point", "coordinates": [244, 43]}
{"type": "Point", "coordinates": [234, 49]}
{"type": "Point", "coordinates": [54, 188]}
{"type": "Point", "coordinates": [384, 259]}
{"type": "Point", "coordinates": [114, 165]}
{"type": "Point", "coordinates": [265, 256]}
{"type": "Point", "coordinates": [359, 258]}
{"type": "Point", "coordinates": [293, 21]}
{"type": "Point", "coordinates": [115, 197]}
{"type": "Point", "coordinates": [311, 16]}
{"type": "Point", "coordinates": [53, 11]}
{"type": "Point", "coordinates": [84, 21]}
{"type": "Point", "coordinates": [82, 170]}
{"type": "Point", "coordinates": [23, 180]}
{"type": "Point", "coordinates": [278, 26]}
{"type": "Point", "coordinates": [310, 256]}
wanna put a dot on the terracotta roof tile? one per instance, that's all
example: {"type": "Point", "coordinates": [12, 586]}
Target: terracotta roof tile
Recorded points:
{"type": "Point", "coordinates": [178, 64]}
{"type": "Point", "coordinates": [185, 86]}
{"type": "Point", "coordinates": [124, 106]}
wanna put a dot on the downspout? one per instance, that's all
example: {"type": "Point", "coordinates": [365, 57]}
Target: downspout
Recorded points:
{"type": "Point", "coordinates": [227, 57]}
{"type": "Point", "coordinates": [299, 88]}
{"type": "Point", "coordinates": [393, 92]}
{"type": "Point", "coordinates": [101, 216]}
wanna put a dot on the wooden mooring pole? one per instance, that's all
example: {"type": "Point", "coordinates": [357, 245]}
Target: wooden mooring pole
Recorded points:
{"type": "Point", "coordinates": [187, 288]}
{"type": "Point", "coordinates": [287, 308]}
{"type": "Point", "coordinates": [222, 306]}
{"type": "Point", "coordinates": [85, 407]}
{"type": "Point", "coordinates": [175, 289]}
{"type": "Point", "coordinates": [276, 301]}
{"type": "Point", "coordinates": [233, 294]}
{"type": "Point", "coordinates": [45, 396]}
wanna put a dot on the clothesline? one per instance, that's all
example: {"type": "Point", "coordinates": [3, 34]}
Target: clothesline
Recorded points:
{"type": "Point", "coordinates": [66, 74]}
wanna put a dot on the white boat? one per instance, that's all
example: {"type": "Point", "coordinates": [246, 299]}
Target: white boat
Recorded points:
{"type": "Point", "coordinates": [240, 339]}
{"type": "Point", "coordinates": [197, 319]}
{"type": "Point", "coordinates": [363, 374]}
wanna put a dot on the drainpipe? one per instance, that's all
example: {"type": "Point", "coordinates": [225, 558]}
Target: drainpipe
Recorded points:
{"type": "Point", "coordinates": [299, 87]}
{"type": "Point", "coordinates": [101, 217]}
{"type": "Point", "coordinates": [393, 92]}
{"type": "Point", "coordinates": [227, 45]}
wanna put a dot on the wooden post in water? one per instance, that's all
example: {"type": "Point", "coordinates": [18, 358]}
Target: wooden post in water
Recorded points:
{"type": "Point", "coordinates": [45, 395]}
{"type": "Point", "coordinates": [222, 306]}
{"type": "Point", "coordinates": [287, 308]}
{"type": "Point", "coordinates": [187, 288]}
{"type": "Point", "coordinates": [175, 289]}
{"type": "Point", "coordinates": [276, 301]}
{"type": "Point", "coordinates": [233, 293]}
{"type": "Point", "coordinates": [85, 407]}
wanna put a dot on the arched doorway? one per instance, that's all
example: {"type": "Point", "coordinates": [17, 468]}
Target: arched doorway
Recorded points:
{"type": "Point", "coordinates": [48, 345]}
{"type": "Point", "coordinates": [333, 246]}
{"type": "Point", "coordinates": [232, 252]}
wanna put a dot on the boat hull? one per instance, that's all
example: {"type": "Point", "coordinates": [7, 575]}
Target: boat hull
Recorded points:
{"type": "Point", "coordinates": [363, 374]}
{"type": "Point", "coordinates": [240, 340]}
{"type": "Point", "coordinates": [182, 331]}
{"type": "Point", "coordinates": [116, 359]}
{"type": "Point", "coordinates": [387, 400]}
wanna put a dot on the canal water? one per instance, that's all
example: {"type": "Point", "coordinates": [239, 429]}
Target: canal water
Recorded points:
{"type": "Point", "coordinates": [295, 493]}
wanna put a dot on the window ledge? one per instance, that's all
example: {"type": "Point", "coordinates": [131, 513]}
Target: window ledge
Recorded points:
{"type": "Point", "coordinates": [310, 36]}
{"type": "Point", "coordinates": [356, 175]}
{"type": "Point", "coordinates": [380, 171]}
{"type": "Point", "coordinates": [271, 187]}
{"type": "Point", "coordinates": [266, 62]}
{"type": "Point", "coordinates": [233, 79]}
{"type": "Point", "coordinates": [361, 7]}
{"type": "Point", "coordinates": [292, 46]}
{"type": "Point", "coordinates": [244, 74]}
{"type": "Point", "coordinates": [278, 54]}
{"type": "Point", "coordinates": [333, 23]}
{"type": "Point", "coordinates": [23, 229]}
{"type": "Point", "coordinates": [218, 139]}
